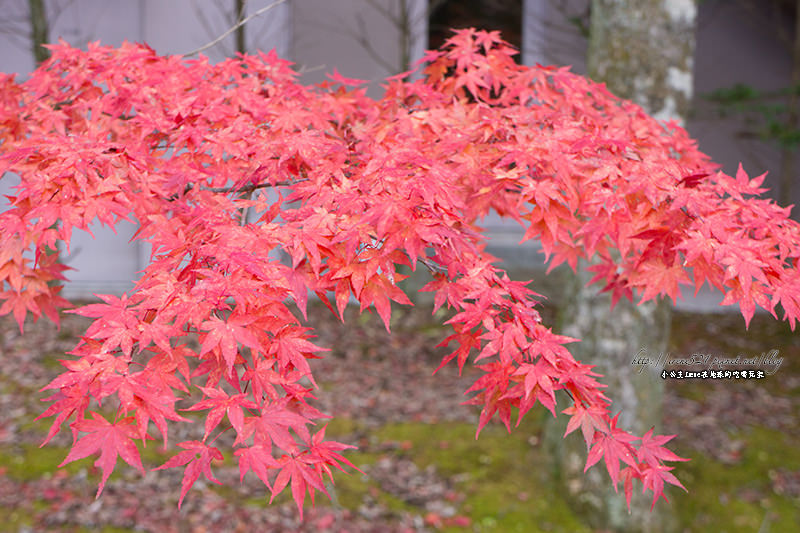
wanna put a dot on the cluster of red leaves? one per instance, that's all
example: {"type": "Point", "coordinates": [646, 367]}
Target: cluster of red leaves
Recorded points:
{"type": "Point", "coordinates": [349, 188]}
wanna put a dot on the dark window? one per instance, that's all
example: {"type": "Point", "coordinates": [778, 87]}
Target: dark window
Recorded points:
{"type": "Point", "coordinates": [503, 15]}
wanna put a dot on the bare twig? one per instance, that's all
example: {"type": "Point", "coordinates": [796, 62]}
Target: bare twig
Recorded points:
{"type": "Point", "coordinates": [305, 69]}
{"type": "Point", "coordinates": [384, 11]}
{"type": "Point", "coordinates": [234, 27]}
{"type": "Point", "coordinates": [363, 40]}
{"type": "Point", "coordinates": [209, 28]}
{"type": "Point", "coordinates": [405, 24]}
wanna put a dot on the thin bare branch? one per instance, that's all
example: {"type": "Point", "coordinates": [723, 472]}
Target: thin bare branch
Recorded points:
{"type": "Point", "coordinates": [405, 24]}
{"type": "Point", "coordinates": [306, 69]}
{"type": "Point", "coordinates": [378, 7]}
{"type": "Point", "coordinates": [234, 27]}
{"type": "Point", "coordinates": [209, 28]}
{"type": "Point", "coordinates": [367, 46]}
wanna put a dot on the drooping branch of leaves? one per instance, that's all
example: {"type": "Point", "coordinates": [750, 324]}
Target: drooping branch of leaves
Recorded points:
{"type": "Point", "coordinates": [372, 185]}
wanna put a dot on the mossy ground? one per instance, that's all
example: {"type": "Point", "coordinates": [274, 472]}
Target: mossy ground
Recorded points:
{"type": "Point", "coordinates": [740, 497]}
{"type": "Point", "coordinates": [499, 481]}
{"type": "Point", "coordinates": [501, 478]}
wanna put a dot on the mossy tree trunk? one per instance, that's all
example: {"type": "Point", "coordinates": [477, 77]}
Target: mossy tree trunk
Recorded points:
{"type": "Point", "coordinates": [643, 50]}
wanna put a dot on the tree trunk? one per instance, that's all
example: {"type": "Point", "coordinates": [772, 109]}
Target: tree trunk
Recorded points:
{"type": "Point", "coordinates": [643, 50]}
{"type": "Point", "coordinates": [789, 153]}
{"type": "Point", "coordinates": [39, 30]}
{"type": "Point", "coordinates": [40, 35]}
{"type": "Point", "coordinates": [241, 47]}
{"type": "Point", "coordinates": [611, 340]}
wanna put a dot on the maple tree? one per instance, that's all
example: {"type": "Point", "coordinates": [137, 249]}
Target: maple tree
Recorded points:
{"type": "Point", "coordinates": [351, 188]}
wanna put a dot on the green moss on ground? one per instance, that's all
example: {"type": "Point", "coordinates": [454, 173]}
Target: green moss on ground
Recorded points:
{"type": "Point", "coordinates": [502, 478]}
{"type": "Point", "coordinates": [15, 519]}
{"type": "Point", "coordinates": [739, 497]}
{"type": "Point", "coordinates": [499, 474]}
{"type": "Point", "coordinates": [26, 462]}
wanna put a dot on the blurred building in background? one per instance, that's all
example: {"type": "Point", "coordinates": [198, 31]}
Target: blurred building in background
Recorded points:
{"type": "Point", "coordinates": [745, 42]}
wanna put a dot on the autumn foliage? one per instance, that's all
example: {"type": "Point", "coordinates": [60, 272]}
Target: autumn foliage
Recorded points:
{"type": "Point", "coordinates": [223, 165]}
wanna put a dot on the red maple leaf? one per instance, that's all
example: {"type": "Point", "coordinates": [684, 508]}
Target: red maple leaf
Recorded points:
{"type": "Point", "coordinates": [111, 440]}
{"type": "Point", "coordinates": [292, 349]}
{"type": "Point", "coordinates": [653, 478]}
{"type": "Point", "coordinates": [537, 386]}
{"type": "Point", "coordinates": [589, 419]}
{"type": "Point", "coordinates": [220, 404]}
{"type": "Point", "coordinates": [273, 425]}
{"type": "Point", "coordinates": [327, 453]}
{"type": "Point", "coordinates": [652, 452]}
{"type": "Point", "coordinates": [227, 335]}
{"type": "Point", "coordinates": [613, 446]}
{"type": "Point", "coordinates": [198, 457]}
{"type": "Point", "coordinates": [259, 459]}
{"type": "Point", "coordinates": [302, 475]}
{"type": "Point", "coordinates": [66, 402]}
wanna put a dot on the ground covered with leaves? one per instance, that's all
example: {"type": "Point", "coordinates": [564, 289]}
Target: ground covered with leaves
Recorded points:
{"type": "Point", "coordinates": [424, 471]}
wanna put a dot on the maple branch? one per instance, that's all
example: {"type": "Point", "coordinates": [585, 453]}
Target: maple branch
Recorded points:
{"type": "Point", "coordinates": [58, 105]}
{"type": "Point", "coordinates": [433, 267]}
{"type": "Point", "coordinates": [251, 188]}
{"type": "Point", "coordinates": [234, 28]}
{"type": "Point", "coordinates": [245, 189]}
